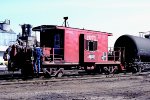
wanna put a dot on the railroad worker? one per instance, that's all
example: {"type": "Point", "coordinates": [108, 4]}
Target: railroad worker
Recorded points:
{"type": "Point", "coordinates": [37, 59]}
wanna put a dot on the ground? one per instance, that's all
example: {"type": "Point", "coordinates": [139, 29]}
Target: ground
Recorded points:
{"type": "Point", "coordinates": [98, 87]}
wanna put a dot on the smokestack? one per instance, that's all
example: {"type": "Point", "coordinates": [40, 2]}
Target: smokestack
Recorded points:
{"type": "Point", "coordinates": [65, 21]}
{"type": "Point", "coordinates": [26, 30]}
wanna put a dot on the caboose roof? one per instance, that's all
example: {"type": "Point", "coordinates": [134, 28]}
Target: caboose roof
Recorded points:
{"type": "Point", "coordinates": [48, 27]}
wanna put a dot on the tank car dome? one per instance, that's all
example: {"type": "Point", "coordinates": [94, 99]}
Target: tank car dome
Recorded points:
{"type": "Point", "coordinates": [135, 47]}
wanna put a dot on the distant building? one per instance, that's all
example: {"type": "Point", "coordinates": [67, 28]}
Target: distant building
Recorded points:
{"type": "Point", "coordinates": [7, 37]}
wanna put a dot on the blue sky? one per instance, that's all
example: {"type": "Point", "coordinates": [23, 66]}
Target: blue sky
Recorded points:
{"type": "Point", "coordinates": [115, 16]}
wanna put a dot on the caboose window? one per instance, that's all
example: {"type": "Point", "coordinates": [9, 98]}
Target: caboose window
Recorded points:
{"type": "Point", "coordinates": [57, 40]}
{"type": "Point", "coordinates": [91, 45]}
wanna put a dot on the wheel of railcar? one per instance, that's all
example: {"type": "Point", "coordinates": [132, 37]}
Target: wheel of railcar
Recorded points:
{"type": "Point", "coordinates": [115, 70]}
{"type": "Point", "coordinates": [47, 73]}
{"type": "Point", "coordinates": [106, 70]}
{"type": "Point", "coordinates": [134, 70]}
{"type": "Point", "coordinates": [60, 74]}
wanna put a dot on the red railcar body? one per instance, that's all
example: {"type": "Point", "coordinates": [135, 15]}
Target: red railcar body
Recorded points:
{"type": "Point", "coordinates": [94, 44]}
{"type": "Point", "coordinates": [72, 46]}
{"type": "Point", "coordinates": [91, 45]}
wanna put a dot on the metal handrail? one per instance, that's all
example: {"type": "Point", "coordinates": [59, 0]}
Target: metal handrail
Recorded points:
{"type": "Point", "coordinates": [53, 54]}
{"type": "Point", "coordinates": [117, 50]}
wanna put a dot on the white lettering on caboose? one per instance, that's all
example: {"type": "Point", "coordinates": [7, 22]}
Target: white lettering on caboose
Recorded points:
{"type": "Point", "coordinates": [91, 37]}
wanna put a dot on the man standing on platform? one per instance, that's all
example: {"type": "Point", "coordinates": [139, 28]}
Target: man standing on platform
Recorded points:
{"type": "Point", "coordinates": [37, 59]}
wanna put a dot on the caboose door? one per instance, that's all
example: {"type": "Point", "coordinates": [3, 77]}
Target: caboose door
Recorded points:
{"type": "Point", "coordinates": [81, 48]}
{"type": "Point", "coordinates": [58, 44]}
{"type": "Point", "coordinates": [88, 48]}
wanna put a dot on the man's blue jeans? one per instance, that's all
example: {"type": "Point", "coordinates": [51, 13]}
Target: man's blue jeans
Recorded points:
{"type": "Point", "coordinates": [37, 66]}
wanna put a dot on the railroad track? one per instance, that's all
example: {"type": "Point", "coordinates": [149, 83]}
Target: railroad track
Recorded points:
{"type": "Point", "coordinates": [42, 80]}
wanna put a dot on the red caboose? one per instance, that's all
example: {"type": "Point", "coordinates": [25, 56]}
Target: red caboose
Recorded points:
{"type": "Point", "coordinates": [66, 47]}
